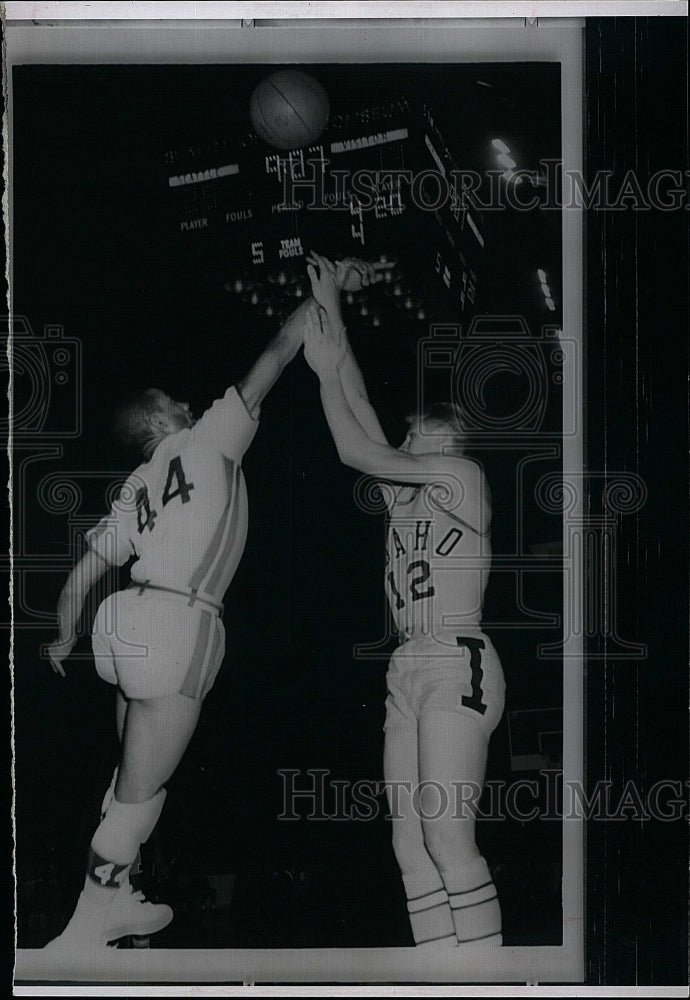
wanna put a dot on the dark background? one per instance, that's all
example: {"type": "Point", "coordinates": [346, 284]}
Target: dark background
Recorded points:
{"type": "Point", "coordinates": [98, 249]}
{"type": "Point", "coordinates": [89, 255]}
{"type": "Point", "coordinates": [637, 346]}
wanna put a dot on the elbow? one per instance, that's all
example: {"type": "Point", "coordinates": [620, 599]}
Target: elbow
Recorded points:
{"type": "Point", "coordinates": [353, 461]}
{"type": "Point", "coordinates": [345, 456]}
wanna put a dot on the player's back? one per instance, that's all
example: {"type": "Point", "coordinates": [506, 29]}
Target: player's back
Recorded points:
{"type": "Point", "coordinates": [183, 514]}
{"type": "Point", "coordinates": [438, 549]}
{"type": "Point", "coordinates": [191, 513]}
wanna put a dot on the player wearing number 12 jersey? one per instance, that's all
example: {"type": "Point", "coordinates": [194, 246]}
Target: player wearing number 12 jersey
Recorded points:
{"type": "Point", "coordinates": [445, 683]}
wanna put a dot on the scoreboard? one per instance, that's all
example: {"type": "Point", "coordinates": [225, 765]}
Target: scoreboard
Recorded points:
{"type": "Point", "coordinates": [380, 181]}
{"type": "Point", "coordinates": [459, 241]}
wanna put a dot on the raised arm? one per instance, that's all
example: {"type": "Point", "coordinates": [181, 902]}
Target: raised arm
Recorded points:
{"type": "Point", "coordinates": [264, 373]}
{"type": "Point", "coordinates": [266, 370]}
{"type": "Point", "coordinates": [356, 394]}
{"type": "Point", "coordinates": [355, 447]}
{"type": "Point", "coordinates": [323, 350]}
{"type": "Point", "coordinates": [457, 484]}
{"type": "Point", "coordinates": [90, 568]}
{"type": "Point", "coordinates": [351, 273]}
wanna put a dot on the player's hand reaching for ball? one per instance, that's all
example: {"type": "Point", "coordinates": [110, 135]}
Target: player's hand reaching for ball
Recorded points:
{"type": "Point", "coordinates": [324, 286]}
{"type": "Point", "coordinates": [353, 274]}
{"type": "Point", "coordinates": [325, 346]}
{"type": "Point", "coordinates": [57, 652]}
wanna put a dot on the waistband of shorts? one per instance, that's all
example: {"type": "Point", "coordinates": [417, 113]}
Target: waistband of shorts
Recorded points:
{"type": "Point", "coordinates": [439, 634]}
{"type": "Point", "coordinates": [192, 595]}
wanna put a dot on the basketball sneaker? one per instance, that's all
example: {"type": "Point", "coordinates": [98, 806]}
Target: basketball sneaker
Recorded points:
{"type": "Point", "coordinates": [93, 925]}
{"type": "Point", "coordinates": [132, 913]}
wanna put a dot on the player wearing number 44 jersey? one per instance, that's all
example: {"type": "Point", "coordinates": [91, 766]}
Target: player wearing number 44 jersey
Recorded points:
{"type": "Point", "coordinates": [182, 517]}
{"type": "Point", "coordinates": [445, 682]}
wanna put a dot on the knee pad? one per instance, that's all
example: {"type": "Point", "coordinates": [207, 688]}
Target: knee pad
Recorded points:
{"type": "Point", "coordinates": [125, 826]}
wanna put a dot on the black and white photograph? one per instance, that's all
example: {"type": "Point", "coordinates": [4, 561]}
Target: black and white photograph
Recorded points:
{"type": "Point", "coordinates": [348, 575]}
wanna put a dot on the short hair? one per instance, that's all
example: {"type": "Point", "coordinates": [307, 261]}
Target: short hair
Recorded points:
{"type": "Point", "coordinates": [448, 414]}
{"type": "Point", "coordinates": [130, 422]}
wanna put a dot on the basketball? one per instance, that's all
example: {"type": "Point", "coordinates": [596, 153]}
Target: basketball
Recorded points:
{"type": "Point", "coordinates": [289, 109]}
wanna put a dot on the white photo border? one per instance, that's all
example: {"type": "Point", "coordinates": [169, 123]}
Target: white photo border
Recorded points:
{"type": "Point", "coordinates": [509, 40]}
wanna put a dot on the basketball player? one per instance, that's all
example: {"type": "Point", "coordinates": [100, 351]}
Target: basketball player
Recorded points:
{"type": "Point", "coordinates": [182, 515]}
{"type": "Point", "coordinates": [445, 682]}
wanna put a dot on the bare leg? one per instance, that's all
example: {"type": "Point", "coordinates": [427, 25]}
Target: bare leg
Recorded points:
{"type": "Point", "coordinates": [156, 734]}
{"type": "Point", "coordinates": [453, 749]}
{"type": "Point", "coordinates": [120, 716]}
{"type": "Point", "coordinates": [428, 908]}
{"type": "Point", "coordinates": [141, 722]}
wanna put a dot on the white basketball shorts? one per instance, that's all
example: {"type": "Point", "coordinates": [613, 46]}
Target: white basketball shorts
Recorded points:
{"type": "Point", "coordinates": [458, 671]}
{"type": "Point", "coordinates": [153, 644]}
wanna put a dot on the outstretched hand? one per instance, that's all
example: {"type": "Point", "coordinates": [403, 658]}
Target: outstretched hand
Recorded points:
{"type": "Point", "coordinates": [353, 274]}
{"type": "Point", "coordinates": [324, 346]}
{"type": "Point", "coordinates": [324, 285]}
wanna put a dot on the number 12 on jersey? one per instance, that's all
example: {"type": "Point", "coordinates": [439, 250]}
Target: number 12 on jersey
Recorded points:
{"type": "Point", "coordinates": [418, 590]}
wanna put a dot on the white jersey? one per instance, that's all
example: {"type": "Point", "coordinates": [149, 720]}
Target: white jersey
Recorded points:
{"type": "Point", "coordinates": [183, 514]}
{"type": "Point", "coordinates": [438, 549]}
